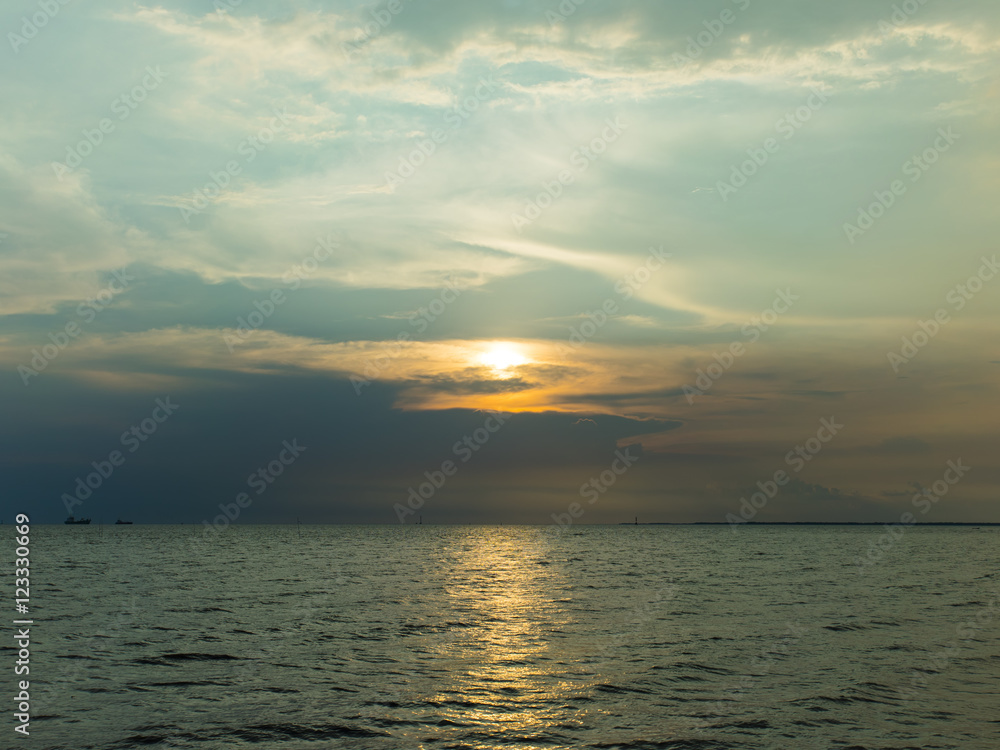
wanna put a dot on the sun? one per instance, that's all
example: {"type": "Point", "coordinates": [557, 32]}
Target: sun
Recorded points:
{"type": "Point", "coordinates": [502, 358]}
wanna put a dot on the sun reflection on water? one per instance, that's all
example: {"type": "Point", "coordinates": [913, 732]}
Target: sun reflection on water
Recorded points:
{"type": "Point", "coordinates": [506, 583]}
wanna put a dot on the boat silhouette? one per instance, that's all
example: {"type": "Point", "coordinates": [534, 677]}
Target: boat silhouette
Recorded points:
{"type": "Point", "coordinates": [73, 520]}
{"type": "Point", "coordinates": [123, 523]}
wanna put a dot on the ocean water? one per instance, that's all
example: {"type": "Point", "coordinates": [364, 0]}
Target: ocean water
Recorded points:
{"type": "Point", "coordinates": [513, 637]}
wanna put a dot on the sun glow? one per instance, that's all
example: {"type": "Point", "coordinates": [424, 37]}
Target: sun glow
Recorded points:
{"type": "Point", "coordinates": [502, 358]}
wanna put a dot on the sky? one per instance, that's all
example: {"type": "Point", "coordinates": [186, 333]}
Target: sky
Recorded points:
{"type": "Point", "coordinates": [517, 261]}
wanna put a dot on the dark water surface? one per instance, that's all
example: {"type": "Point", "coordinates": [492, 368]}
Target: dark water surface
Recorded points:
{"type": "Point", "coordinates": [510, 637]}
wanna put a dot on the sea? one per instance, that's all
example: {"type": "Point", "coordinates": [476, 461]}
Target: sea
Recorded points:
{"type": "Point", "coordinates": [475, 637]}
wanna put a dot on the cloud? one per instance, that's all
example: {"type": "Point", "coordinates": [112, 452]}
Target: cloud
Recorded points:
{"type": "Point", "coordinates": [46, 260]}
{"type": "Point", "coordinates": [402, 100]}
{"type": "Point", "coordinates": [816, 492]}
